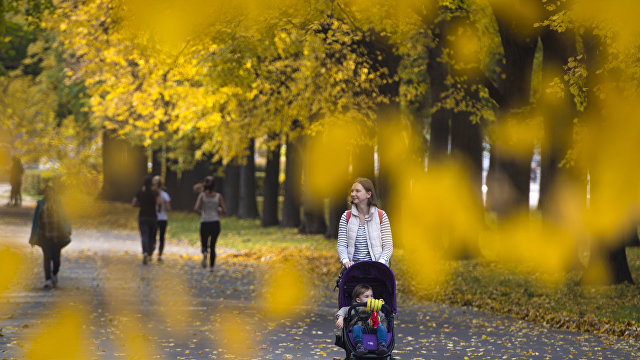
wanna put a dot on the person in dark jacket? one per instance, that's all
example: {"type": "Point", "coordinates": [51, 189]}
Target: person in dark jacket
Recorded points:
{"type": "Point", "coordinates": [149, 202]}
{"type": "Point", "coordinates": [51, 230]}
{"type": "Point", "coordinates": [15, 180]}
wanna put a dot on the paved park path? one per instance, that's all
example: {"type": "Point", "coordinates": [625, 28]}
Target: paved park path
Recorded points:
{"type": "Point", "coordinates": [177, 310]}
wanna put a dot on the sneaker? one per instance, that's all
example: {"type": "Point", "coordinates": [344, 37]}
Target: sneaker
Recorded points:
{"type": "Point", "coordinates": [382, 349]}
{"type": "Point", "coordinates": [54, 280]}
{"type": "Point", "coordinates": [145, 259]}
{"type": "Point", "coordinates": [159, 258]}
{"type": "Point", "coordinates": [48, 284]}
{"type": "Point", "coordinates": [211, 269]}
{"type": "Point", "coordinates": [360, 350]}
{"type": "Point", "coordinates": [204, 260]}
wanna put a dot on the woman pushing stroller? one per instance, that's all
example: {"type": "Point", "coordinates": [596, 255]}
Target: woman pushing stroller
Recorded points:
{"type": "Point", "coordinates": [364, 239]}
{"type": "Point", "coordinates": [364, 232]}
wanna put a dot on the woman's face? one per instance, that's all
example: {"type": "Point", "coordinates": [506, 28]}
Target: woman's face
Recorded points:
{"type": "Point", "coordinates": [359, 196]}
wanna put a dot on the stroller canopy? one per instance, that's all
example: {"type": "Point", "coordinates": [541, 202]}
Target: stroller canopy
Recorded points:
{"type": "Point", "coordinates": [372, 273]}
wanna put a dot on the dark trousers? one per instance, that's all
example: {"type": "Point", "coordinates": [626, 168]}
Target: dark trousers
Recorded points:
{"type": "Point", "coordinates": [147, 232]}
{"type": "Point", "coordinates": [209, 232]}
{"type": "Point", "coordinates": [16, 195]}
{"type": "Point", "coordinates": [160, 229]}
{"type": "Point", "coordinates": [51, 252]}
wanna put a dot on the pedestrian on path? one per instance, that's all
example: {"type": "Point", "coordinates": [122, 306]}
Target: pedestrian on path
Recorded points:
{"type": "Point", "coordinates": [51, 230]}
{"type": "Point", "coordinates": [364, 232]}
{"type": "Point", "coordinates": [210, 205]}
{"type": "Point", "coordinates": [15, 180]}
{"type": "Point", "coordinates": [165, 206]}
{"type": "Point", "coordinates": [149, 202]}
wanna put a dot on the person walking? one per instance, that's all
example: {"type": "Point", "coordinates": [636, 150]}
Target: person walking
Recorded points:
{"type": "Point", "coordinates": [364, 232]}
{"type": "Point", "coordinates": [165, 206]}
{"type": "Point", "coordinates": [210, 205]}
{"type": "Point", "coordinates": [51, 230]}
{"type": "Point", "coordinates": [15, 179]}
{"type": "Point", "coordinates": [149, 202]}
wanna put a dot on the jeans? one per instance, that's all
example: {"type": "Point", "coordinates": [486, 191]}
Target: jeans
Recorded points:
{"type": "Point", "coordinates": [51, 252]}
{"type": "Point", "coordinates": [161, 229]}
{"type": "Point", "coordinates": [147, 230]}
{"type": "Point", "coordinates": [209, 230]}
{"type": "Point", "coordinates": [381, 333]}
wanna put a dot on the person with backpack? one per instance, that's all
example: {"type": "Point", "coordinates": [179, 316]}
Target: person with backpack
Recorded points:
{"type": "Point", "coordinates": [150, 202]}
{"type": "Point", "coordinates": [364, 232]}
{"type": "Point", "coordinates": [51, 230]}
{"type": "Point", "coordinates": [210, 204]}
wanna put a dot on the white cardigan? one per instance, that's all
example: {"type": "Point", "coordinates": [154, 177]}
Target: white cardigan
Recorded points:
{"type": "Point", "coordinates": [379, 237]}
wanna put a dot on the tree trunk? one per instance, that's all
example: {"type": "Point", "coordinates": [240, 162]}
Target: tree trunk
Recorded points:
{"type": "Point", "coordinates": [558, 115]}
{"type": "Point", "coordinates": [614, 255]}
{"type": "Point", "coordinates": [313, 221]}
{"type": "Point", "coordinates": [363, 162]}
{"type": "Point", "coordinates": [248, 207]}
{"type": "Point", "coordinates": [440, 118]}
{"type": "Point", "coordinates": [292, 186]}
{"type": "Point", "coordinates": [508, 178]}
{"type": "Point", "coordinates": [619, 265]}
{"type": "Point", "coordinates": [338, 200]}
{"type": "Point", "coordinates": [124, 167]}
{"type": "Point", "coordinates": [180, 185]}
{"type": "Point", "coordinates": [466, 147]}
{"type": "Point", "coordinates": [337, 206]}
{"type": "Point", "coordinates": [271, 189]}
{"type": "Point", "coordinates": [231, 189]}
{"type": "Point", "coordinates": [381, 52]}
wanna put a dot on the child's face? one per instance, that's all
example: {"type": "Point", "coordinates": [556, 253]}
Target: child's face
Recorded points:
{"type": "Point", "coordinates": [366, 296]}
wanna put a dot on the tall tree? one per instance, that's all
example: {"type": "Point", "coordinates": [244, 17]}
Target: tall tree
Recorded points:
{"type": "Point", "coordinates": [509, 174]}
{"type": "Point", "coordinates": [124, 167]}
{"type": "Point", "coordinates": [292, 186]}
{"type": "Point", "coordinates": [231, 188]}
{"type": "Point", "coordinates": [271, 188]}
{"type": "Point", "coordinates": [248, 206]}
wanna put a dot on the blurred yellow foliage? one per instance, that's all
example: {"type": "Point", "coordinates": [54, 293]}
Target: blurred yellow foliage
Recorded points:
{"type": "Point", "coordinates": [234, 332]}
{"type": "Point", "coordinates": [11, 267]}
{"type": "Point", "coordinates": [61, 337]}
{"type": "Point", "coordinates": [284, 290]}
{"type": "Point", "coordinates": [619, 16]}
{"type": "Point", "coordinates": [438, 218]}
{"type": "Point", "coordinates": [174, 305]}
{"type": "Point", "coordinates": [328, 158]}
{"type": "Point", "coordinates": [133, 338]}
{"type": "Point", "coordinates": [516, 135]}
{"type": "Point", "coordinates": [528, 241]}
{"type": "Point", "coordinates": [608, 151]}
{"type": "Point", "coordinates": [520, 15]}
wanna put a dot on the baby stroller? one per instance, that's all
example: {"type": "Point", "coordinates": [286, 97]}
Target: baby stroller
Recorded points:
{"type": "Point", "coordinates": [381, 279]}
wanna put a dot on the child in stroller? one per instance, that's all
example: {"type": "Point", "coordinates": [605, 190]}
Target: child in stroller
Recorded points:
{"type": "Point", "coordinates": [361, 294]}
{"type": "Point", "coordinates": [361, 283]}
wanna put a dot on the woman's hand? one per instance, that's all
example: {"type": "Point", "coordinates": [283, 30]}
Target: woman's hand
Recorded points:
{"type": "Point", "coordinates": [339, 323]}
{"type": "Point", "coordinates": [348, 264]}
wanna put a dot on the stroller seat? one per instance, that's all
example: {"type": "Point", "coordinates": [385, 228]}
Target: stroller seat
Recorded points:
{"type": "Point", "coordinates": [381, 279]}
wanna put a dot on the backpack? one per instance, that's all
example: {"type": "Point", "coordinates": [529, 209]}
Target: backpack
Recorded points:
{"type": "Point", "coordinates": [379, 215]}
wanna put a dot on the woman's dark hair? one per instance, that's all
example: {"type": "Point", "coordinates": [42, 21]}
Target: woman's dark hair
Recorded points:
{"type": "Point", "coordinates": [368, 187]}
{"type": "Point", "coordinates": [147, 182]}
{"type": "Point", "coordinates": [359, 290]}
{"type": "Point", "coordinates": [209, 183]}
